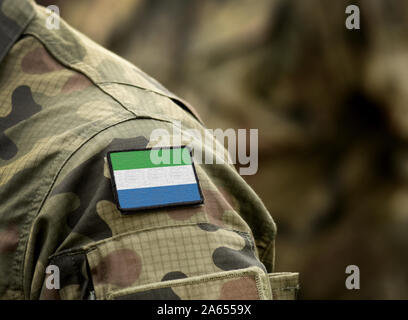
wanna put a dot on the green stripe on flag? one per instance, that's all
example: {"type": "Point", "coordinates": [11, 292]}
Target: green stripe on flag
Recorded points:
{"type": "Point", "coordinates": [127, 160]}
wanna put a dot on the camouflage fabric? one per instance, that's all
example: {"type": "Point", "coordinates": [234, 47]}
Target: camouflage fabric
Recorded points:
{"type": "Point", "coordinates": [64, 103]}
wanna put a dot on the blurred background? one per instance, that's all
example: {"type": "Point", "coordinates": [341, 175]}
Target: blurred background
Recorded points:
{"type": "Point", "coordinates": [331, 106]}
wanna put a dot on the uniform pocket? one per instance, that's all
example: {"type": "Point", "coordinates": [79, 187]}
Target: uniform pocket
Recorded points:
{"type": "Point", "coordinates": [126, 269]}
{"type": "Point", "coordinates": [244, 284]}
{"type": "Point", "coordinates": [181, 253]}
{"type": "Point", "coordinates": [284, 285]}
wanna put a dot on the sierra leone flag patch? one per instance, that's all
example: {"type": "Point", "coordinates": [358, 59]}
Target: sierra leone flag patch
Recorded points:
{"type": "Point", "coordinates": [153, 178]}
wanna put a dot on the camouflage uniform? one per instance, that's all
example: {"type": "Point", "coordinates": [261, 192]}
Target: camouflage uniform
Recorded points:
{"type": "Point", "coordinates": [64, 103]}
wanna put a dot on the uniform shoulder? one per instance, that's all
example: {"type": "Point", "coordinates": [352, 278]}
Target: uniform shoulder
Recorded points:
{"type": "Point", "coordinates": [103, 67]}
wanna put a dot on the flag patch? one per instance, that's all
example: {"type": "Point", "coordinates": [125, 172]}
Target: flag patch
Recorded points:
{"type": "Point", "coordinates": [152, 178]}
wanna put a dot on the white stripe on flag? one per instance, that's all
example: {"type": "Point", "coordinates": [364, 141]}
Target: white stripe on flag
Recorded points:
{"type": "Point", "coordinates": [154, 177]}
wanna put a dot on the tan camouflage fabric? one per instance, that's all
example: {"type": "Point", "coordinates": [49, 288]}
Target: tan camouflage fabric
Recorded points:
{"type": "Point", "coordinates": [64, 103]}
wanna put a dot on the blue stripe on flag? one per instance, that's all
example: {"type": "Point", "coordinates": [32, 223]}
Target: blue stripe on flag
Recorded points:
{"type": "Point", "coordinates": [146, 197]}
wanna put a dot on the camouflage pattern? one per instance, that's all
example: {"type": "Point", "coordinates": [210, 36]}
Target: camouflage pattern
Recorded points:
{"type": "Point", "coordinates": [64, 103]}
{"type": "Point", "coordinates": [330, 105]}
{"type": "Point", "coordinates": [251, 283]}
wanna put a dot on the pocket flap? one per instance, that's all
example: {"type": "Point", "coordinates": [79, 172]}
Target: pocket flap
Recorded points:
{"type": "Point", "coordinates": [243, 284]}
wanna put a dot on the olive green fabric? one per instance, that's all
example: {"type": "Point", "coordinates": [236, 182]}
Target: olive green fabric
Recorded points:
{"type": "Point", "coordinates": [242, 284]}
{"type": "Point", "coordinates": [284, 285]}
{"type": "Point", "coordinates": [64, 103]}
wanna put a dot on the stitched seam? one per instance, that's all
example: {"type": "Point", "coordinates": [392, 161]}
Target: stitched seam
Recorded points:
{"type": "Point", "coordinates": [94, 245]}
{"type": "Point", "coordinates": [193, 280]}
{"type": "Point", "coordinates": [286, 288]}
{"type": "Point", "coordinates": [69, 66]}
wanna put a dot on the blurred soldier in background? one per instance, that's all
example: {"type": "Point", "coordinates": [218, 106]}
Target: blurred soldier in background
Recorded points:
{"type": "Point", "coordinates": [330, 104]}
{"type": "Point", "coordinates": [65, 102]}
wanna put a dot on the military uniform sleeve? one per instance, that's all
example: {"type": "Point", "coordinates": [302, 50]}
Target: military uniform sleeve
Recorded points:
{"type": "Point", "coordinates": [194, 252]}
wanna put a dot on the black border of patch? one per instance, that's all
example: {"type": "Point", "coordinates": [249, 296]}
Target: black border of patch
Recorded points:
{"type": "Point", "coordinates": [178, 204]}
